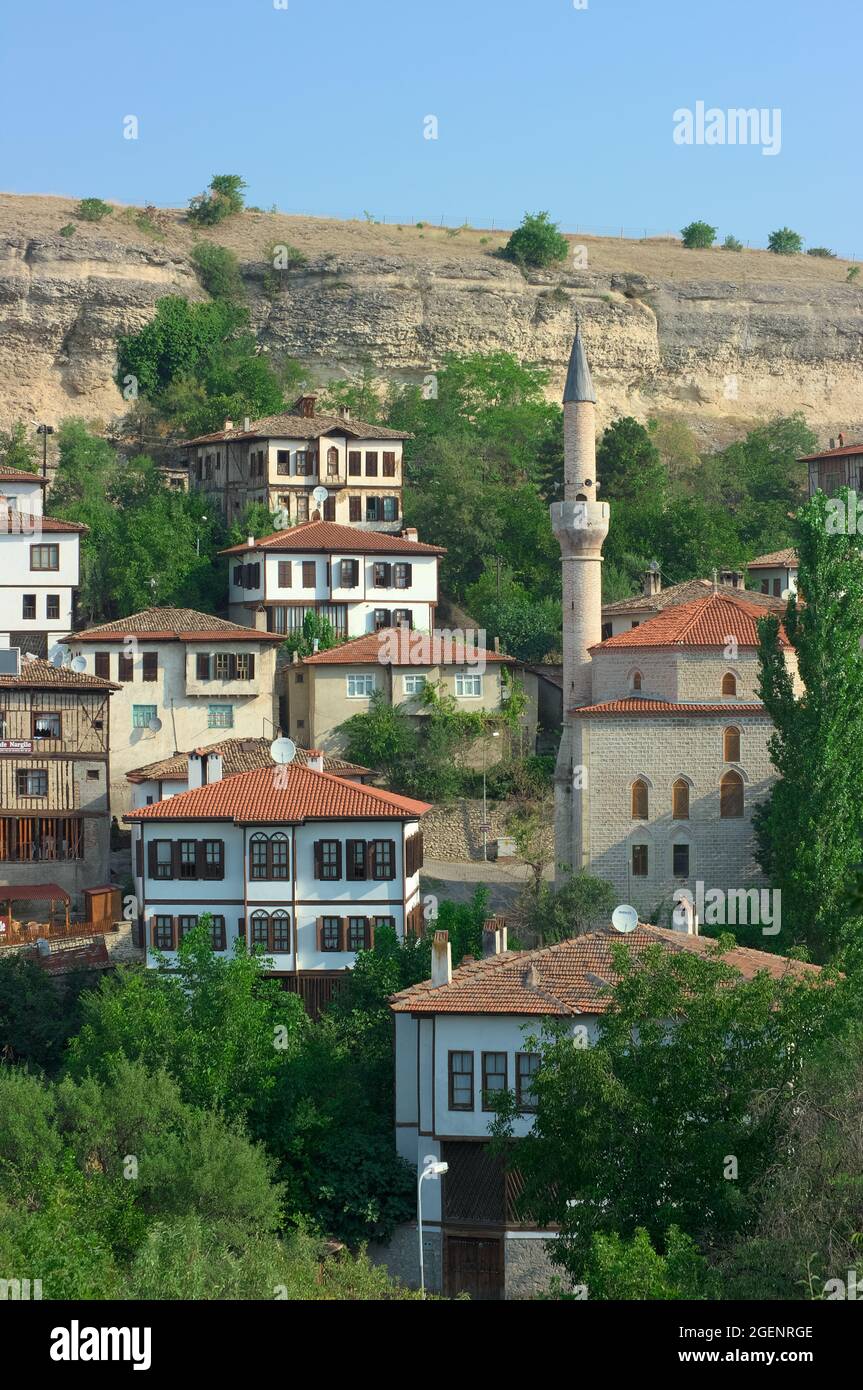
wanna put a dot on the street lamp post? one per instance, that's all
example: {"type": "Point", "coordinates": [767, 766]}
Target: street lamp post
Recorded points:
{"type": "Point", "coordinates": [198, 538]}
{"type": "Point", "coordinates": [495, 734]}
{"type": "Point", "coordinates": [432, 1168]}
{"type": "Point", "coordinates": [44, 430]}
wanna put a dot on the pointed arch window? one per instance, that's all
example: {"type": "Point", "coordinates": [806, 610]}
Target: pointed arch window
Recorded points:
{"type": "Point", "coordinates": [729, 683]}
{"type": "Point", "coordinates": [636, 680]}
{"type": "Point", "coordinates": [640, 800]}
{"type": "Point", "coordinates": [731, 796]}
{"type": "Point", "coordinates": [731, 745]}
{"type": "Point", "coordinates": [680, 799]}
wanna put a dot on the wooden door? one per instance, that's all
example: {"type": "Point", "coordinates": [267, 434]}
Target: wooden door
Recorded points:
{"type": "Point", "coordinates": [474, 1265]}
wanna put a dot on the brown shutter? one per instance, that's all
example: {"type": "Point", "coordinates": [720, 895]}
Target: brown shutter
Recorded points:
{"type": "Point", "coordinates": [221, 873]}
{"type": "Point", "coordinates": [175, 859]}
{"type": "Point", "coordinates": [241, 927]}
{"type": "Point", "coordinates": [370, 933]}
{"type": "Point", "coordinates": [343, 934]}
{"type": "Point", "coordinates": [270, 941]}
{"type": "Point", "coordinates": [317, 848]}
{"type": "Point", "coordinates": [319, 931]}
{"type": "Point", "coordinates": [251, 666]}
{"type": "Point", "coordinates": [152, 927]}
{"type": "Point", "coordinates": [284, 574]}
{"type": "Point", "coordinates": [409, 570]}
{"type": "Point", "coordinates": [338, 859]}
{"type": "Point", "coordinates": [151, 857]}
{"type": "Point", "coordinates": [103, 665]}
{"type": "Point", "coordinates": [173, 933]}
{"type": "Point", "coordinates": [355, 512]}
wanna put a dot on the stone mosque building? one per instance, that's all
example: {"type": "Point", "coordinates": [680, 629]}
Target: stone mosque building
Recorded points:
{"type": "Point", "coordinates": [664, 753]}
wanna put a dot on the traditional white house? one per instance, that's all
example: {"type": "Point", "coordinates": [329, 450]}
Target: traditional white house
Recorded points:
{"type": "Point", "coordinates": [39, 558]}
{"type": "Point", "coordinates": [292, 859]}
{"type": "Point", "coordinates": [360, 581]}
{"type": "Point", "coordinates": [280, 461]}
{"type": "Point", "coordinates": [465, 1035]}
{"type": "Point", "coordinates": [186, 680]}
{"type": "Point", "coordinates": [775, 574]}
{"type": "Point", "coordinates": [169, 776]}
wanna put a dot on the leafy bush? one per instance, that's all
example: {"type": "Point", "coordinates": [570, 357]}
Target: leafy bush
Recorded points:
{"type": "Point", "coordinates": [225, 197]}
{"type": "Point", "coordinates": [732, 244]}
{"type": "Point", "coordinates": [822, 251]}
{"type": "Point", "coordinates": [219, 270]}
{"type": "Point", "coordinates": [537, 242]}
{"type": "Point", "coordinates": [68, 230]}
{"type": "Point", "coordinates": [632, 1269]}
{"type": "Point", "coordinates": [92, 210]}
{"type": "Point", "coordinates": [784, 242]}
{"type": "Point", "coordinates": [698, 235]}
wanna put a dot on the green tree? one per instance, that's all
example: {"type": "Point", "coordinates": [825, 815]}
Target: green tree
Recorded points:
{"type": "Point", "coordinates": [529, 627]}
{"type": "Point", "coordinates": [315, 635]}
{"type": "Point", "coordinates": [581, 904]}
{"type": "Point", "coordinates": [784, 242]}
{"type": "Point", "coordinates": [219, 270]}
{"type": "Point", "coordinates": [17, 449]}
{"type": "Point", "coordinates": [93, 210]}
{"type": "Point", "coordinates": [628, 464]}
{"type": "Point", "coordinates": [732, 244]}
{"type": "Point", "coordinates": [632, 1269]}
{"type": "Point", "coordinates": [224, 199]}
{"type": "Point", "coordinates": [810, 829]}
{"type": "Point", "coordinates": [537, 243]}
{"type": "Point", "coordinates": [698, 235]}
{"type": "Point", "coordinates": [35, 1020]}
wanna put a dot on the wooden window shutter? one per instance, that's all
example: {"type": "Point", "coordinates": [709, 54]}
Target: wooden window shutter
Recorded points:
{"type": "Point", "coordinates": [370, 933]}
{"type": "Point", "coordinates": [284, 574]}
{"type": "Point", "coordinates": [103, 665]}
{"type": "Point", "coordinates": [343, 934]}
{"type": "Point", "coordinates": [409, 571]}
{"type": "Point", "coordinates": [319, 930]}
{"type": "Point", "coordinates": [221, 865]}
{"type": "Point", "coordinates": [200, 859]}
{"type": "Point", "coordinates": [241, 928]}
{"type": "Point", "coordinates": [152, 926]}
{"type": "Point", "coordinates": [250, 666]}
{"type": "Point", "coordinates": [680, 800]}
{"type": "Point", "coordinates": [175, 859]}
{"type": "Point", "coordinates": [139, 856]}
{"type": "Point", "coordinates": [151, 666]}
{"type": "Point", "coordinates": [173, 933]}
{"type": "Point", "coordinates": [318, 860]}
{"type": "Point", "coordinates": [125, 668]}
{"type": "Point", "coordinates": [270, 934]}
{"type": "Point", "coordinates": [203, 666]}
{"type": "Point", "coordinates": [151, 858]}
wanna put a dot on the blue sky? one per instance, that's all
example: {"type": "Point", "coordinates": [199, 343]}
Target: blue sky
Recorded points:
{"type": "Point", "coordinates": [320, 106]}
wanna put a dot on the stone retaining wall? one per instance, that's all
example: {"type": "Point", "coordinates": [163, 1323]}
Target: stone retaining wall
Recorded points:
{"type": "Point", "coordinates": [454, 832]}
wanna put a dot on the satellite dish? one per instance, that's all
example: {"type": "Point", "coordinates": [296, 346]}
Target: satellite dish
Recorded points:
{"type": "Point", "coordinates": [320, 495]}
{"type": "Point", "coordinates": [154, 725]}
{"type": "Point", "coordinates": [283, 750]}
{"type": "Point", "coordinates": [786, 594]}
{"type": "Point", "coordinates": [624, 918]}
{"type": "Point", "coordinates": [59, 655]}
{"type": "Point", "coordinates": [79, 663]}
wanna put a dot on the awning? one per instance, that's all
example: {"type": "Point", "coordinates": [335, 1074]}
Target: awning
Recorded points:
{"type": "Point", "coordinates": [11, 892]}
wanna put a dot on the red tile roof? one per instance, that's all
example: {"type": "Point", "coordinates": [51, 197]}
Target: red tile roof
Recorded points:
{"type": "Point", "coordinates": [41, 675]}
{"type": "Point", "coordinates": [173, 625]}
{"type": "Point", "coordinates": [287, 425]}
{"type": "Point", "coordinates": [845, 452]}
{"type": "Point", "coordinates": [238, 755]}
{"type": "Point", "coordinates": [706, 622]}
{"type": "Point", "coordinates": [17, 475]}
{"type": "Point", "coordinates": [413, 649]}
{"type": "Point", "coordinates": [298, 794]}
{"type": "Point", "coordinates": [686, 592]}
{"type": "Point", "coordinates": [777, 559]}
{"type": "Point", "coordinates": [327, 536]}
{"type": "Point", "coordinates": [633, 705]}
{"type": "Point", "coordinates": [572, 977]}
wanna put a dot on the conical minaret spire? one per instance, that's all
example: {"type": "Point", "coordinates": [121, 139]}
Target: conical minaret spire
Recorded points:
{"type": "Point", "coordinates": [580, 523]}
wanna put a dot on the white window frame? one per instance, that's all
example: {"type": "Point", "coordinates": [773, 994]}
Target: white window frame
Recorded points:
{"type": "Point", "coordinates": [353, 679]}
{"type": "Point", "coordinates": [410, 686]}
{"type": "Point", "coordinates": [461, 680]}
{"type": "Point", "coordinates": [220, 716]}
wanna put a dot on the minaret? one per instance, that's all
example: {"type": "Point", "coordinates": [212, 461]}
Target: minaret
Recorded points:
{"type": "Point", "coordinates": [581, 526]}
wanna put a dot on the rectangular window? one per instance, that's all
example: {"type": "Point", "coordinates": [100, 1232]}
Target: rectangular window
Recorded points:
{"type": "Point", "coordinates": [371, 464]}
{"type": "Point", "coordinates": [163, 933]}
{"type": "Point", "coordinates": [283, 462]}
{"type": "Point", "coordinates": [389, 464]}
{"type": "Point", "coordinates": [220, 716]}
{"type": "Point", "coordinates": [354, 463]}
{"type": "Point", "coordinates": [402, 576]}
{"type": "Point", "coordinates": [284, 574]}
{"type": "Point", "coordinates": [493, 1077]}
{"type": "Point", "coordinates": [44, 557]}
{"type": "Point", "coordinates": [383, 859]}
{"type": "Point", "coordinates": [329, 860]}
{"type": "Point", "coordinates": [162, 859]}
{"type": "Point", "coordinates": [245, 666]}
{"type": "Point", "coordinates": [217, 933]}
{"type": "Point", "coordinates": [31, 782]}
{"type": "Point", "coordinates": [680, 861]}
{"type": "Point", "coordinates": [141, 715]}
{"type": "Point", "coordinates": [414, 685]}
{"type": "Point", "coordinates": [350, 573]}
{"type": "Point", "coordinates": [185, 924]}
{"type": "Point", "coordinates": [355, 855]}
{"type": "Point", "coordinates": [279, 862]}
{"type": "Point", "coordinates": [28, 606]}
{"type": "Point", "coordinates": [214, 859]}
{"type": "Point", "coordinates": [391, 509]}
{"type": "Point", "coordinates": [202, 666]}
{"type": "Point", "coordinates": [125, 668]}
{"type": "Point", "coordinates": [260, 929]}
{"type": "Point", "coordinates": [461, 1081]}
{"type": "Point", "coordinates": [389, 922]}
{"type": "Point", "coordinates": [526, 1067]}
{"type": "Point", "coordinates": [257, 858]}
{"type": "Point", "coordinates": [150, 671]}
{"type": "Point", "coordinates": [331, 931]}
{"type": "Point", "coordinates": [304, 463]}
{"type": "Point", "coordinates": [355, 509]}
{"type": "Point", "coordinates": [358, 934]}
{"type": "Point", "coordinates": [639, 861]}
{"type": "Point", "coordinates": [403, 617]}
{"type": "Point", "coordinates": [46, 726]}
{"type": "Point", "coordinates": [310, 573]}
{"type": "Point", "coordinates": [382, 619]}
{"type": "Point", "coordinates": [373, 509]}
{"type": "Point", "coordinates": [281, 929]}
{"type": "Point", "coordinates": [52, 607]}
{"type": "Point", "coordinates": [302, 507]}
{"type": "Point", "coordinates": [360, 687]}
{"type": "Point", "coordinates": [188, 859]}
{"type": "Point", "coordinates": [468, 686]}
{"type": "Point", "coordinates": [381, 574]}
{"type": "Point", "coordinates": [103, 665]}
{"type": "Point", "coordinates": [223, 666]}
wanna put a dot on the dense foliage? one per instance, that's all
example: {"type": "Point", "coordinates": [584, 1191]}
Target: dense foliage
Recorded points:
{"type": "Point", "coordinates": [537, 243]}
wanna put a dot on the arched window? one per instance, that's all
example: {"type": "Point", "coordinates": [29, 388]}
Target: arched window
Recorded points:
{"type": "Point", "coordinates": [680, 799]}
{"type": "Point", "coordinates": [639, 800]}
{"type": "Point", "coordinates": [729, 683]}
{"type": "Point", "coordinates": [731, 745]}
{"type": "Point", "coordinates": [260, 929]}
{"type": "Point", "coordinates": [636, 680]}
{"type": "Point", "coordinates": [281, 931]}
{"type": "Point", "coordinates": [731, 796]}
{"type": "Point", "coordinates": [258, 856]}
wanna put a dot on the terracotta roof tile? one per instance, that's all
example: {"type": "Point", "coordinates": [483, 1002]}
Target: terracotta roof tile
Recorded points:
{"type": "Point", "coordinates": [286, 425]}
{"type": "Point", "coordinates": [778, 558]}
{"type": "Point", "coordinates": [706, 622]}
{"type": "Point", "coordinates": [40, 675]}
{"type": "Point", "coordinates": [238, 755]}
{"type": "Point", "coordinates": [173, 625]}
{"type": "Point", "coordinates": [632, 705]}
{"type": "Point", "coordinates": [17, 475]}
{"type": "Point", "coordinates": [329, 536]}
{"type": "Point", "coordinates": [299, 794]}
{"type": "Point", "coordinates": [846, 451]}
{"type": "Point", "coordinates": [410, 649]}
{"type": "Point", "coordinates": [686, 592]}
{"type": "Point", "coordinates": [572, 976]}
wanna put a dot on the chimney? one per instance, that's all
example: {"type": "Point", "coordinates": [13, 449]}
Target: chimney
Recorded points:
{"type": "Point", "coordinates": [651, 581]}
{"type": "Point", "coordinates": [733, 578]}
{"type": "Point", "coordinates": [229, 425]}
{"type": "Point", "coordinates": [497, 644]}
{"type": "Point", "coordinates": [295, 657]}
{"type": "Point", "coordinates": [683, 918]}
{"type": "Point", "coordinates": [409, 533]}
{"type": "Point", "coordinates": [196, 770]}
{"type": "Point", "coordinates": [315, 760]}
{"type": "Point", "coordinates": [250, 542]}
{"type": "Point", "coordinates": [441, 960]}
{"type": "Point", "coordinates": [346, 412]}
{"type": "Point", "coordinates": [531, 977]}
{"type": "Point", "coordinates": [247, 424]}
{"type": "Point", "coordinates": [305, 406]}
{"type": "Point", "coordinates": [494, 935]}
{"type": "Point", "coordinates": [841, 440]}
{"type": "Point", "coordinates": [212, 767]}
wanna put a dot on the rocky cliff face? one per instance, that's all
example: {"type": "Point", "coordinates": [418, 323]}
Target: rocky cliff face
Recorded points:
{"type": "Point", "coordinates": [716, 338]}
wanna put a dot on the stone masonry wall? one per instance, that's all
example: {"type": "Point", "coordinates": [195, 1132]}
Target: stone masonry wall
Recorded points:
{"type": "Point", "coordinates": [454, 833]}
